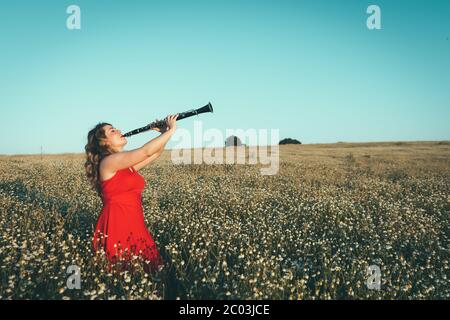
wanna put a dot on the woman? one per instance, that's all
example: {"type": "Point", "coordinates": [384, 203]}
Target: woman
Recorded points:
{"type": "Point", "coordinates": [120, 230]}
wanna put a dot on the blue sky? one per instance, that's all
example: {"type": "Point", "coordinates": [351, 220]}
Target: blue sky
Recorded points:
{"type": "Point", "coordinates": [309, 68]}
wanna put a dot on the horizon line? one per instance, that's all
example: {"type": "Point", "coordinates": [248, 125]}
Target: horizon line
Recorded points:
{"type": "Point", "coordinates": [244, 145]}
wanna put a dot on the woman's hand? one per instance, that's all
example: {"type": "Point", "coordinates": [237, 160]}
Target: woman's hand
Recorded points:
{"type": "Point", "coordinates": [171, 121]}
{"type": "Point", "coordinates": [170, 124]}
{"type": "Point", "coordinates": [162, 129]}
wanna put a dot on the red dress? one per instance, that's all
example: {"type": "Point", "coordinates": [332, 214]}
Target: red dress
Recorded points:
{"type": "Point", "coordinates": [121, 229]}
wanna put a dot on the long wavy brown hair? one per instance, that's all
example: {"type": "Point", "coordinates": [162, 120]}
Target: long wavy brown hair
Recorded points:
{"type": "Point", "coordinates": [96, 149]}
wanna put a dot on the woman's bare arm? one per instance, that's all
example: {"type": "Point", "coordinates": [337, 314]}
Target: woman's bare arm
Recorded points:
{"type": "Point", "coordinates": [126, 159]}
{"type": "Point", "coordinates": [122, 160]}
{"type": "Point", "coordinates": [147, 161]}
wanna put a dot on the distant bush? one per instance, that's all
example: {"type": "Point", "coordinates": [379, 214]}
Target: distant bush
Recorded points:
{"type": "Point", "coordinates": [233, 141]}
{"type": "Point", "coordinates": [290, 141]}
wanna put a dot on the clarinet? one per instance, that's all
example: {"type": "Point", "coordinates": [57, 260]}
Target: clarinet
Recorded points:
{"type": "Point", "coordinates": [161, 123]}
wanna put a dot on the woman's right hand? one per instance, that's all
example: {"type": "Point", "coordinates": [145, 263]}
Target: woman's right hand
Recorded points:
{"type": "Point", "coordinates": [171, 121]}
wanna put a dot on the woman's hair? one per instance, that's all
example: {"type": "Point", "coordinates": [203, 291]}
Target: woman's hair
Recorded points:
{"type": "Point", "coordinates": [96, 149]}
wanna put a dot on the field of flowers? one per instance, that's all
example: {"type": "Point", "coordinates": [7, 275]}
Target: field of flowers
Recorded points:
{"type": "Point", "coordinates": [227, 232]}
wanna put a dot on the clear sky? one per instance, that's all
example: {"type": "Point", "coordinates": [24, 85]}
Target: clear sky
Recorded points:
{"type": "Point", "coordinates": [309, 68]}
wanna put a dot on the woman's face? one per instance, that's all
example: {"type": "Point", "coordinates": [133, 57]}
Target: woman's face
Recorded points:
{"type": "Point", "coordinates": [114, 138]}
